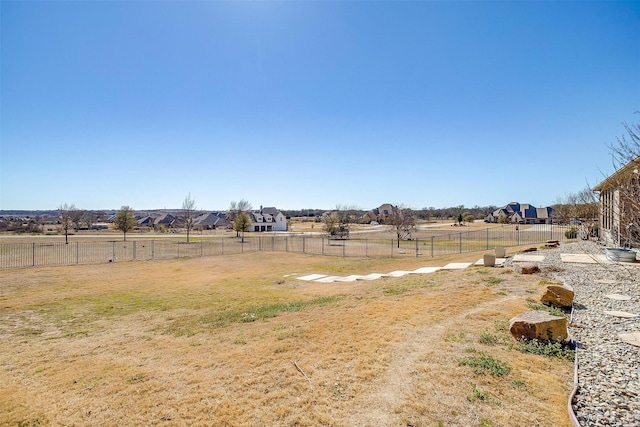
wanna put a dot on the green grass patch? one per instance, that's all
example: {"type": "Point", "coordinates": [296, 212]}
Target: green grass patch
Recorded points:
{"type": "Point", "coordinates": [557, 349]}
{"type": "Point", "coordinates": [484, 364]}
{"type": "Point", "coordinates": [265, 311]}
{"type": "Point", "coordinates": [492, 281]}
{"type": "Point", "coordinates": [487, 338]}
{"type": "Point", "coordinates": [550, 309]}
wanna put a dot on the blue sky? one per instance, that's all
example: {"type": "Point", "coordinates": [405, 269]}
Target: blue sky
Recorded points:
{"type": "Point", "coordinates": [311, 104]}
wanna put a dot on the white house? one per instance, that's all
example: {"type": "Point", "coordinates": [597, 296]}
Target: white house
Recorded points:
{"type": "Point", "coordinates": [267, 219]}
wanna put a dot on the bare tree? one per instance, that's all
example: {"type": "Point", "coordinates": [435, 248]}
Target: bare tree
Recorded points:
{"type": "Point", "coordinates": [235, 209]}
{"type": "Point", "coordinates": [403, 221]}
{"type": "Point", "coordinates": [626, 181]}
{"type": "Point", "coordinates": [348, 215]}
{"type": "Point", "coordinates": [89, 219]}
{"type": "Point", "coordinates": [188, 213]}
{"type": "Point", "coordinates": [76, 218]}
{"type": "Point", "coordinates": [66, 214]}
{"type": "Point", "coordinates": [581, 209]}
{"type": "Point", "coordinates": [125, 221]}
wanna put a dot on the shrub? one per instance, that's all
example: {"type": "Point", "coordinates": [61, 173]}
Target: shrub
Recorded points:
{"type": "Point", "coordinates": [557, 349]}
{"type": "Point", "coordinates": [571, 233]}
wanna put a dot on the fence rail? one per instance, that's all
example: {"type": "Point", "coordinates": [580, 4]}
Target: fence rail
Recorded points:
{"type": "Point", "coordinates": [20, 255]}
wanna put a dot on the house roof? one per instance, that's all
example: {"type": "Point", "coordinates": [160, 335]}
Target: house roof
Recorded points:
{"type": "Point", "coordinates": [621, 174]}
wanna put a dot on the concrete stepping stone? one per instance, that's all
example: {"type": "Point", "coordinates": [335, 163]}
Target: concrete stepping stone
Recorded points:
{"type": "Point", "coordinates": [618, 297]}
{"type": "Point", "coordinates": [328, 279]}
{"type": "Point", "coordinates": [499, 262]}
{"type": "Point", "coordinates": [351, 278]}
{"type": "Point", "coordinates": [311, 277]}
{"type": "Point", "coordinates": [456, 266]}
{"type": "Point", "coordinates": [426, 270]}
{"type": "Point", "coordinates": [633, 338]}
{"type": "Point", "coordinates": [584, 259]}
{"type": "Point", "coordinates": [623, 314]}
{"type": "Point", "coordinates": [528, 258]}
{"type": "Point", "coordinates": [372, 276]}
{"type": "Point", "coordinates": [397, 273]}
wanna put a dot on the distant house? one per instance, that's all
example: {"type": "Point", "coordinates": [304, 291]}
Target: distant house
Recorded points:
{"type": "Point", "coordinates": [619, 206]}
{"type": "Point", "coordinates": [517, 213]}
{"type": "Point", "coordinates": [166, 220]}
{"type": "Point", "coordinates": [146, 221]}
{"type": "Point", "coordinates": [268, 219]}
{"type": "Point", "coordinates": [212, 221]}
{"type": "Point", "coordinates": [379, 214]}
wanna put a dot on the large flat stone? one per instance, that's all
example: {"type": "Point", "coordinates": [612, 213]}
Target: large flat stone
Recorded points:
{"type": "Point", "coordinates": [456, 266]}
{"type": "Point", "coordinates": [528, 258]}
{"type": "Point", "coordinates": [540, 325]}
{"type": "Point", "coordinates": [585, 258]}
{"type": "Point", "coordinates": [623, 314]}
{"type": "Point", "coordinates": [633, 338]}
{"type": "Point", "coordinates": [425, 270]}
{"type": "Point", "coordinates": [618, 297]}
{"type": "Point", "coordinates": [311, 277]}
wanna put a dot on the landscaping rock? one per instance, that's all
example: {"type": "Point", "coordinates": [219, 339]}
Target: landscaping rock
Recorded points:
{"type": "Point", "coordinates": [525, 268]}
{"type": "Point", "coordinates": [540, 325]}
{"type": "Point", "coordinates": [558, 296]}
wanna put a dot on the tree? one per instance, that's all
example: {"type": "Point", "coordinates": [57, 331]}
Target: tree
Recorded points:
{"type": "Point", "coordinates": [237, 208]}
{"type": "Point", "coordinates": [242, 223]}
{"type": "Point", "coordinates": [625, 154]}
{"type": "Point", "coordinates": [125, 221]}
{"type": "Point", "coordinates": [66, 215]}
{"type": "Point", "coordinates": [89, 219]}
{"type": "Point", "coordinates": [331, 224]}
{"type": "Point", "coordinates": [404, 223]}
{"type": "Point", "coordinates": [188, 213]}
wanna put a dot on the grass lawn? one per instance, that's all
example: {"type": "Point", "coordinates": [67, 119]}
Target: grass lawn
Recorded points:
{"type": "Point", "coordinates": [237, 341]}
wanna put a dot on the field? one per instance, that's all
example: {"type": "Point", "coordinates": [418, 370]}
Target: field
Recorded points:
{"type": "Point", "coordinates": [237, 341]}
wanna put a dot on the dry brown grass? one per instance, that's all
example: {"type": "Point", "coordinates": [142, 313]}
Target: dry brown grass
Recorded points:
{"type": "Point", "coordinates": [172, 343]}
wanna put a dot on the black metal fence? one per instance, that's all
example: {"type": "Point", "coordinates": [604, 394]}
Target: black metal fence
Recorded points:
{"type": "Point", "coordinates": [19, 255]}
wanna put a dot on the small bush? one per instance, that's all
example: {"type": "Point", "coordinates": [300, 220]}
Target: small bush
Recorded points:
{"type": "Point", "coordinates": [487, 339]}
{"type": "Point", "coordinates": [557, 349]}
{"type": "Point", "coordinates": [571, 233]}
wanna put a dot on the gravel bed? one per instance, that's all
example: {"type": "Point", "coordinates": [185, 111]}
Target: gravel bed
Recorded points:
{"type": "Point", "coordinates": [608, 369]}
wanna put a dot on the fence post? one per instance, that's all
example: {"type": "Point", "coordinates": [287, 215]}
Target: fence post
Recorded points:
{"type": "Point", "coordinates": [200, 248]}
{"type": "Point", "coordinates": [178, 249]}
{"type": "Point", "coordinates": [344, 245]}
{"type": "Point", "coordinates": [366, 248]}
{"type": "Point", "coordinates": [222, 246]}
{"type": "Point", "coordinates": [322, 245]}
{"type": "Point", "coordinates": [487, 238]}
{"type": "Point", "coordinates": [432, 246]}
{"type": "Point", "coordinates": [134, 250]}
{"type": "Point", "coordinates": [114, 251]}
{"type": "Point", "coordinates": [417, 251]}
{"type": "Point", "coordinates": [303, 245]}
{"type": "Point", "coordinates": [273, 243]}
{"type": "Point", "coordinates": [391, 248]}
{"type": "Point", "coordinates": [33, 254]}
{"type": "Point", "coordinates": [286, 243]}
{"type": "Point", "coordinates": [153, 249]}
{"type": "Point", "coordinates": [461, 242]}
